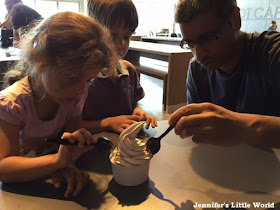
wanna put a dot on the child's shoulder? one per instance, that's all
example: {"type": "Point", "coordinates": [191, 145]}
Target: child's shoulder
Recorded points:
{"type": "Point", "coordinates": [126, 64]}
{"type": "Point", "coordinates": [17, 90]}
{"type": "Point", "coordinates": [127, 67]}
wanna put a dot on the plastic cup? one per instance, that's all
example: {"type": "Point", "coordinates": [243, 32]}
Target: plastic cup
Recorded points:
{"type": "Point", "coordinates": [131, 176]}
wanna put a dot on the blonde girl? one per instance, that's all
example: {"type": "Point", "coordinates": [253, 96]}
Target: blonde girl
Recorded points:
{"type": "Point", "coordinates": [60, 58]}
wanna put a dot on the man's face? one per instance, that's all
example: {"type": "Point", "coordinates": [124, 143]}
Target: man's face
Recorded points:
{"type": "Point", "coordinates": [211, 40]}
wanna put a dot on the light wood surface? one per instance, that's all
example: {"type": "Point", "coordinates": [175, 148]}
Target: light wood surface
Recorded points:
{"type": "Point", "coordinates": [160, 49]}
{"type": "Point", "coordinates": [163, 40]}
{"type": "Point", "coordinates": [175, 75]}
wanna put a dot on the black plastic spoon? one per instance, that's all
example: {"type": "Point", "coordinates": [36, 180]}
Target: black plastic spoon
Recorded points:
{"type": "Point", "coordinates": [102, 143]}
{"type": "Point", "coordinates": [153, 144]}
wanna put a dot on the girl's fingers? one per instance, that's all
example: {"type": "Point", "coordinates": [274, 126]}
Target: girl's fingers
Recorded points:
{"type": "Point", "coordinates": [71, 181]}
{"type": "Point", "coordinates": [82, 136]}
{"type": "Point", "coordinates": [82, 180]}
{"type": "Point", "coordinates": [56, 179]}
{"type": "Point", "coordinates": [88, 137]}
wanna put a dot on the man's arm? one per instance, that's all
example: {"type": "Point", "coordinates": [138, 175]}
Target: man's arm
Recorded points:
{"type": "Point", "coordinates": [211, 124]}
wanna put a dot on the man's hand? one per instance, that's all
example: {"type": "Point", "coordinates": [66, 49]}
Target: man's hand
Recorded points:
{"type": "Point", "coordinates": [210, 124]}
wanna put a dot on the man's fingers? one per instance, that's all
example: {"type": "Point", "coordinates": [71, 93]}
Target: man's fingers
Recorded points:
{"type": "Point", "coordinates": [200, 139]}
{"type": "Point", "coordinates": [195, 130]}
{"type": "Point", "coordinates": [199, 121]}
{"type": "Point", "coordinates": [191, 109]}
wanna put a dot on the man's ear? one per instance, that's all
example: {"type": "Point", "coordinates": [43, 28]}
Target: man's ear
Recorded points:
{"type": "Point", "coordinates": [235, 19]}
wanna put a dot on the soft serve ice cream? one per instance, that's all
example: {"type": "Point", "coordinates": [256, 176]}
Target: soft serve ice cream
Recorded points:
{"type": "Point", "coordinates": [130, 159]}
{"type": "Point", "coordinates": [130, 151]}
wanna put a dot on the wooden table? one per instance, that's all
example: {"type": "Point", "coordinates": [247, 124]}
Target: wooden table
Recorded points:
{"type": "Point", "coordinates": [163, 40]}
{"type": "Point", "coordinates": [173, 74]}
{"type": "Point", "coordinates": [182, 174]}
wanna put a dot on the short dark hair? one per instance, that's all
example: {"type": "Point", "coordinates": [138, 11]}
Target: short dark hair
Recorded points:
{"type": "Point", "coordinates": [12, 2]}
{"type": "Point", "coordinates": [22, 15]}
{"type": "Point", "coordinates": [188, 9]}
{"type": "Point", "coordinates": [112, 12]}
{"type": "Point", "coordinates": [273, 22]}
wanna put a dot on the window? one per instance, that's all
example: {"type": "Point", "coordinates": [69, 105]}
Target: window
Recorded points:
{"type": "Point", "coordinates": [3, 10]}
{"type": "Point", "coordinates": [155, 16]}
{"type": "Point", "coordinates": [54, 6]}
{"type": "Point", "coordinates": [48, 7]}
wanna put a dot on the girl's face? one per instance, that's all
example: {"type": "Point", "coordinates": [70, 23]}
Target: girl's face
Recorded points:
{"type": "Point", "coordinates": [63, 88]}
{"type": "Point", "coordinates": [121, 37]}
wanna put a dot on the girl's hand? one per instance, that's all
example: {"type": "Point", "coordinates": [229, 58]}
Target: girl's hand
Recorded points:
{"type": "Point", "coordinates": [145, 117]}
{"type": "Point", "coordinates": [69, 154]}
{"type": "Point", "coordinates": [75, 178]}
{"type": "Point", "coordinates": [120, 123]}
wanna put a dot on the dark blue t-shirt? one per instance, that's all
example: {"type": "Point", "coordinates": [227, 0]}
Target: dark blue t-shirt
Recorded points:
{"type": "Point", "coordinates": [253, 87]}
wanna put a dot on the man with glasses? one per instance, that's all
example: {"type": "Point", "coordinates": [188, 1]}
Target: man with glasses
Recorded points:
{"type": "Point", "coordinates": [233, 84]}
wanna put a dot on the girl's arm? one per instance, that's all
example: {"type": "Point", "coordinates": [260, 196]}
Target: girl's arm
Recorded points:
{"type": "Point", "coordinates": [18, 169]}
{"type": "Point", "coordinates": [6, 22]}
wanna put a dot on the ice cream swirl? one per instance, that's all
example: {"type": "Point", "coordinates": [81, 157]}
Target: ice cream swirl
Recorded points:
{"type": "Point", "coordinates": [130, 151]}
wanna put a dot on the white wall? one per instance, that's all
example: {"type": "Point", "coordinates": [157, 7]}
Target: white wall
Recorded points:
{"type": "Point", "coordinates": [256, 15]}
{"type": "Point", "coordinates": [154, 15]}
{"type": "Point", "coordinates": [157, 14]}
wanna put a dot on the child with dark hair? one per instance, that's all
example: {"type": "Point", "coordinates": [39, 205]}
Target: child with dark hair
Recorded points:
{"type": "Point", "coordinates": [23, 18]}
{"type": "Point", "coordinates": [111, 103]}
{"type": "Point", "coordinates": [59, 59]}
{"type": "Point", "coordinates": [9, 5]}
{"type": "Point", "coordinates": [6, 26]}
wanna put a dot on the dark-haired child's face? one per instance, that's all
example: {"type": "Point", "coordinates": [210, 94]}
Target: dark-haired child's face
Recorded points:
{"type": "Point", "coordinates": [121, 38]}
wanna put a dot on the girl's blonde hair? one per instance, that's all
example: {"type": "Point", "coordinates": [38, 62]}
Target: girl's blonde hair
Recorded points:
{"type": "Point", "coordinates": [66, 42]}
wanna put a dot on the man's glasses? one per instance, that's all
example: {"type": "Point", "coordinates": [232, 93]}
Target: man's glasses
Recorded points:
{"type": "Point", "coordinates": [202, 40]}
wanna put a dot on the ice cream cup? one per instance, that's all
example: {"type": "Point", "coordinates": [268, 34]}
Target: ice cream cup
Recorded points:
{"type": "Point", "coordinates": [131, 176]}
